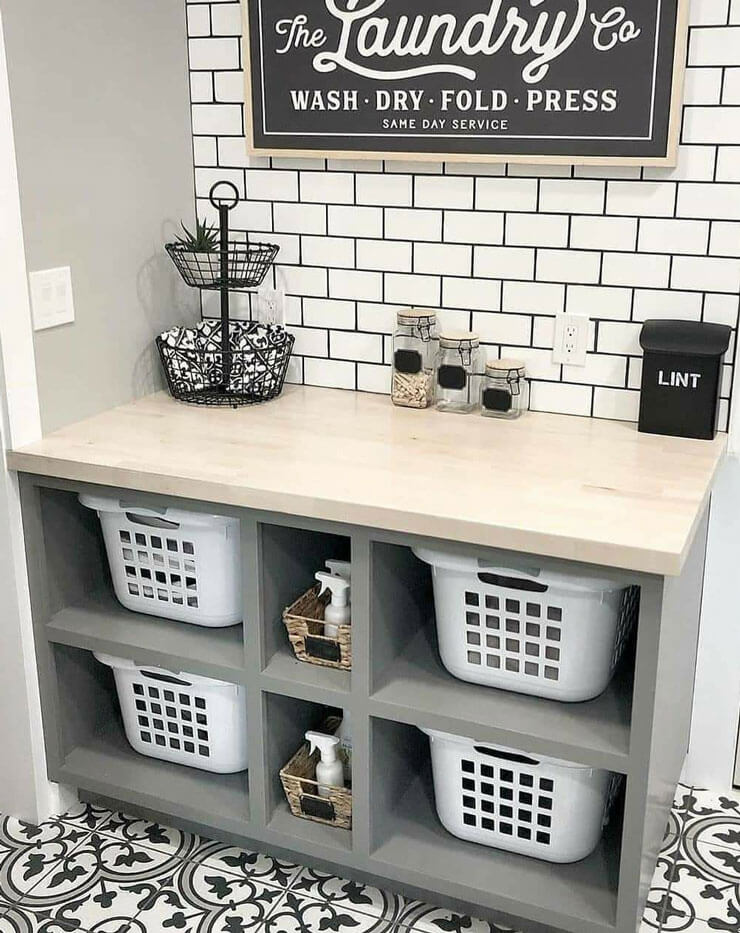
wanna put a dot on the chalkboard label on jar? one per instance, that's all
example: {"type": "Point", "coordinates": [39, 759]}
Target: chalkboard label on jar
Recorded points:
{"type": "Point", "coordinates": [452, 377]}
{"type": "Point", "coordinates": [407, 361]}
{"type": "Point", "coordinates": [497, 400]}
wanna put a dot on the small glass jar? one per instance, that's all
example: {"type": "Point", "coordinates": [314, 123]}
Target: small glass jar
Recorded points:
{"type": "Point", "coordinates": [505, 390]}
{"type": "Point", "coordinates": [457, 372]}
{"type": "Point", "coordinates": [415, 346]}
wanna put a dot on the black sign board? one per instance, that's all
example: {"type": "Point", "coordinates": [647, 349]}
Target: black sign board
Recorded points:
{"type": "Point", "coordinates": [547, 80]}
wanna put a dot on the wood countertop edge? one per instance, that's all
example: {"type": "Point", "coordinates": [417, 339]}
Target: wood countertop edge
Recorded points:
{"type": "Point", "coordinates": [578, 489]}
{"type": "Point", "coordinates": [603, 553]}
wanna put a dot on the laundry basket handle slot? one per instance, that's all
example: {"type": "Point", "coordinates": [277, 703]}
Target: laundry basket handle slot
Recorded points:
{"type": "Point", "coordinates": [506, 756]}
{"type": "Point", "coordinates": [512, 583]}
{"type": "Point", "coordinates": [150, 522]}
{"type": "Point", "coordinates": [139, 514]}
{"type": "Point", "coordinates": [166, 678]}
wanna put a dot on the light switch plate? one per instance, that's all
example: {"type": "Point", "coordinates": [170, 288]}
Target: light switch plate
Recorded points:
{"type": "Point", "coordinates": [570, 346]}
{"type": "Point", "coordinates": [52, 302]}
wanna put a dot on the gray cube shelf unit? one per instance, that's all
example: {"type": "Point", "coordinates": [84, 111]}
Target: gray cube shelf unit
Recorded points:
{"type": "Point", "coordinates": [638, 728]}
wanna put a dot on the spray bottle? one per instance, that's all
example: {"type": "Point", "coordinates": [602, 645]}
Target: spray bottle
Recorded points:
{"type": "Point", "coordinates": [340, 568]}
{"type": "Point", "coordinates": [337, 612]}
{"type": "Point", "coordinates": [329, 770]}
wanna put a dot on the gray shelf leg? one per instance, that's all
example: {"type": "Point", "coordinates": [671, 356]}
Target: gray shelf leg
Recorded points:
{"type": "Point", "coordinates": [253, 652]}
{"type": "Point", "coordinates": [38, 582]}
{"type": "Point", "coordinates": [661, 721]}
{"type": "Point", "coordinates": [360, 687]}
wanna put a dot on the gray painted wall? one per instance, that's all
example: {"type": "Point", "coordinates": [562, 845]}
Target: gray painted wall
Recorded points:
{"type": "Point", "coordinates": [99, 93]}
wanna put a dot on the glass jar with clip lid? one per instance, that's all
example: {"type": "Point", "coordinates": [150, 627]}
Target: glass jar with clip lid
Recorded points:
{"type": "Point", "coordinates": [505, 390]}
{"type": "Point", "coordinates": [458, 373]}
{"type": "Point", "coordinates": [415, 345]}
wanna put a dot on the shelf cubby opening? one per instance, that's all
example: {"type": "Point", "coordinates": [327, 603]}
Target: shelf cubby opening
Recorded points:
{"type": "Point", "coordinates": [290, 558]}
{"type": "Point", "coordinates": [410, 682]}
{"type": "Point", "coordinates": [407, 836]}
{"type": "Point", "coordinates": [74, 552]}
{"type": "Point", "coordinates": [95, 755]}
{"type": "Point", "coordinates": [285, 723]}
{"type": "Point", "coordinates": [84, 612]}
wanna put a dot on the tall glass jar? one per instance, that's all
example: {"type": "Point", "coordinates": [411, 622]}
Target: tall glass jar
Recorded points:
{"type": "Point", "coordinates": [415, 345]}
{"type": "Point", "coordinates": [505, 390]}
{"type": "Point", "coordinates": [458, 372]}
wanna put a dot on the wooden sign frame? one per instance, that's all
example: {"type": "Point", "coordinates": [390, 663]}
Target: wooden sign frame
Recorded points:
{"type": "Point", "coordinates": [669, 159]}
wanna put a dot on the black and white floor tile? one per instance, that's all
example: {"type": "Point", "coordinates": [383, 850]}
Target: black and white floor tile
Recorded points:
{"type": "Point", "coordinates": [700, 866]}
{"type": "Point", "coordinates": [93, 871]}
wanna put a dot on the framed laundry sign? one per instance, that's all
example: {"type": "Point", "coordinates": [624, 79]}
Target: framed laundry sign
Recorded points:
{"type": "Point", "coordinates": [504, 80]}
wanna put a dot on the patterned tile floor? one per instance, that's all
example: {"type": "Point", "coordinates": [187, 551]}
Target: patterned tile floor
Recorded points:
{"type": "Point", "coordinates": [95, 871]}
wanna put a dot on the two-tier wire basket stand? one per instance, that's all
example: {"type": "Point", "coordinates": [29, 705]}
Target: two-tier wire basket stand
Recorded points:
{"type": "Point", "coordinates": [227, 363]}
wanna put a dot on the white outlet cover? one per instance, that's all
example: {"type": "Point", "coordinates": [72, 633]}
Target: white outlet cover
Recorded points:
{"type": "Point", "coordinates": [52, 301]}
{"type": "Point", "coordinates": [271, 306]}
{"type": "Point", "coordinates": [570, 346]}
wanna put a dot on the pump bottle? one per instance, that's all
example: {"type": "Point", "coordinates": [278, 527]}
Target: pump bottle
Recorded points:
{"type": "Point", "coordinates": [337, 612]}
{"type": "Point", "coordinates": [329, 770]}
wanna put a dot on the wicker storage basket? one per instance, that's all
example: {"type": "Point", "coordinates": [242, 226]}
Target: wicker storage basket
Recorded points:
{"type": "Point", "coordinates": [304, 621]}
{"type": "Point", "coordinates": [302, 791]}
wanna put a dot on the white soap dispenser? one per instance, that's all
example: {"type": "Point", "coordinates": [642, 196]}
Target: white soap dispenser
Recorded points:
{"type": "Point", "coordinates": [337, 612]}
{"type": "Point", "coordinates": [329, 770]}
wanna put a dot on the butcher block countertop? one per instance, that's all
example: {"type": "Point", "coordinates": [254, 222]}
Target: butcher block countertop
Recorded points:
{"type": "Point", "coordinates": [577, 488]}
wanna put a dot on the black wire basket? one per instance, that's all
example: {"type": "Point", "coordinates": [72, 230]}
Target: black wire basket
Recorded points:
{"type": "Point", "coordinates": [225, 362]}
{"type": "Point", "coordinates": [206, 375]}
{"type": "Point", "coordinates": [247, 265]}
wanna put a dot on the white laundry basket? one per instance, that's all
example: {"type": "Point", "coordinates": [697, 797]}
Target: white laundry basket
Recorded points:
{"type": "Point", "coordinates": [191, 720]}
{"type": "Point", "coordinates": [549, 809]}
{"type": "Point", "coordinates": [172, 563]}
{"type": "Point", "coordinates": [531, 631]}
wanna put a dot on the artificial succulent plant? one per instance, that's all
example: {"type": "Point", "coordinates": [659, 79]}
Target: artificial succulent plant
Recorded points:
{"type": "Point", "coordinates": [204, 240]}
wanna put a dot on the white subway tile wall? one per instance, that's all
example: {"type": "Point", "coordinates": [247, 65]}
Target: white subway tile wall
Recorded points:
{"type": "Point", "coordinates": [502, 249]}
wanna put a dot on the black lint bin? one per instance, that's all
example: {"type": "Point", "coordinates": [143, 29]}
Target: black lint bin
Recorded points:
{"type": "Point", "coordinates": [681, 377]}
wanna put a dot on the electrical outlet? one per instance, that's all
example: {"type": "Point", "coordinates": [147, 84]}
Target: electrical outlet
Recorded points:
{"type": "Point", "coordinates": [571, 339]}
{"type": "Point", "coordinates": [52, 302]}
{"type": "Point", "coordinates": [271, 306]}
